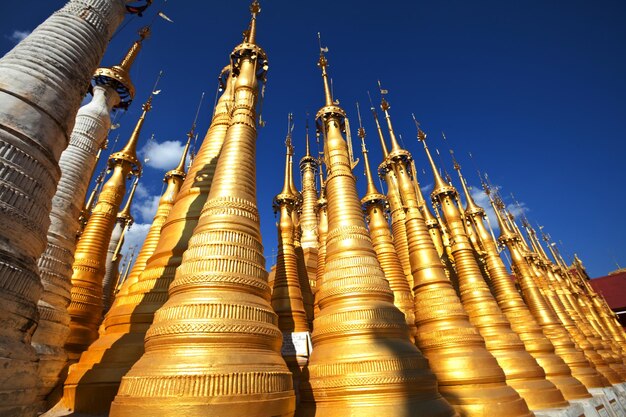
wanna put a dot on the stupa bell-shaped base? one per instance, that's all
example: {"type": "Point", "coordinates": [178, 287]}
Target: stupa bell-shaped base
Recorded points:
{"type": "Point", "coordinates": [218, 385]}
{"type": "Point", "coordinates": [362, 379]}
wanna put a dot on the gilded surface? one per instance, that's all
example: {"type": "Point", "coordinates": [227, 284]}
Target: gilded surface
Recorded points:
{"type": "Point", "coordinates": [363, 362]}
{"type": "Point", "coordinates": [516, 311]}
{"type": "Point", "coordinates": [214, 346]}
{"type": "Point", "coordinates": [86, 304]}
{"type": "Point", "coordinates": [542, 310]}
{"type": "Point", "coordinates": [93, 383]}
{"type": "Point", "coordinates": [521, 370]}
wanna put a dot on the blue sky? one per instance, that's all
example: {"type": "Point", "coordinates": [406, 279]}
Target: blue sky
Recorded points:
{"type": "Point", "coordinates": [536, 90]}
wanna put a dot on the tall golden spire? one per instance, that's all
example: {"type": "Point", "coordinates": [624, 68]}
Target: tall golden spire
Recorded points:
{"type": "Point", "coordinates": [118, 76]}
{"type": "Point", "coordinates": [541, 310]}
{"type": "Point", "coordinates": [287, 300]}
{"type": "Point", "coordinates": [125, 212]}
{"type": "Point", "coordinates": [374, 205]}
{"type": "Point", "coordinates": [385, 106]}
{"type": "Point", "coordinates": [432, 223]}
{"type": "Point", "coordinates": [363, 358]}
{"type": "Point", "coordinates": [514, 308]}
{"type": "Point", "coordinates": [396, 205]}
{"type": "Point", "coordinates": [99, 373]}
{"type": "Point", "coordinates": [308, 219]}
{"type": "Point", "coordinates": [89, 265]}
{"type": "Point", "coordinates": [379, 130]}
{"type": "Point", "coordinates": [123, 223]}
{"type": "Point", "coordinates": [322, 234]}
{"type": "Point", "coordinates": [566, 309]}
{"type": "Point", "coordinates": [214, 346]}
{"type": "Point", "coordinates": [308, 247]}
{"type": "Point", "coordinates": [521, 370]}
{"type": "Point", "coordinates": [441, 187]}
{"type": "Point", "coordinates": [578, 308]}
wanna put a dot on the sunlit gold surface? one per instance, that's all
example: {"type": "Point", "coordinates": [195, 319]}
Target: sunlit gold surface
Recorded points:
{"type": "Point", "coordinates": [374, 205]}
{"type": "Point", "coordinates": [287, 300]}
{"type": "Point", "coordinates": [214, 346]}
{"type": "Point", "coordinates": [573, 318]}
{"type": "Point", "coordinates": [398, 228]}
{"type": "Point", "coordinates": [146, 288]}
{"type": "Point", "coordinates": [124, 222]}
{"type": "Point", "coordinates": [286, 295]}
{"type": "Point", "coordinates": [309, 219]}
{"type": "Point", "coordinates": [92, 383]}
{"type": "Point", "coordinates": [469, 376]}
{"type": "Point", "coordinates": [362, 362]}
{"type": "Point", "coordinates": [118, 76]}
{"type": "Point", "coordinates": [522, 371]}
{"type": "Point", "coordinates": [322, 233]}
{"type": "Point", "coordinates": [89, 265]}
{"type": "Point", "coordinates": [543, 312]}
{"type": "Point", "coordinates": [516, 311]}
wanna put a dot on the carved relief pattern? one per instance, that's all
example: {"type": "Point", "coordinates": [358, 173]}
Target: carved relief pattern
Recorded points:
{"type": "Point", "coordinates": [42, 82]}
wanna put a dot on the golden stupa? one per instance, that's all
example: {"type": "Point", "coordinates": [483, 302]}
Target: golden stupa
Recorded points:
{"type": "Point", "coordinates": [392, 304]}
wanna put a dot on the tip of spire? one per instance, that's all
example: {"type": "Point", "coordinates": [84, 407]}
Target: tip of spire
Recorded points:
{"type": "Point", "coordinates": [250, 34]}
{"type": "Point", "coordinates": [323, 64]}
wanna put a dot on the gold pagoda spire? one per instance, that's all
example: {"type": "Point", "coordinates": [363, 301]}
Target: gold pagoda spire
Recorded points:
{"type": "Point", "coordinates": [287, 299]}
{"type": "Point", "coordinates": [521, 370]}
{"type": "Point", "coordinates": [432, 223]}
{"type": "Point", "coordinates": [385, 106]}
{"type": "Point", "coordinates": [118, 76]}
{"type": "Point", "coordinates": [355, 363]}
{"type": "Point", "coordinates": [541, 309]}
{"type": "Point", "coordinates": [145, 290]}
{"type": "Point", "coordinates": [572, 319]}
{"type": "Point", "coordinates": [578, 308]}
{"type": "Point", "coordinates": [374, 205]}
{"type": "Point", "coordinates": [372, 191]}
{"type": "Point", "coordinates": [89, 265]}
{"type": "Point", "coordinates": [379, 130]}
{"type": "Point", "coordinates": [214, 346]}
{"type": "Point", "coordinates": [322, 234]}
{"type": "Point", "coordinates": [123, 223]}
{"type": "Point", "coordinates": [441, 187]}
{"type": "Point", "coordinates": [515, 309]}
{"type": "Point", "coordinates": [308, 249]}
{"type": "Point", "coordinates": [396, 184]}
{"type": "Point", "coordinates": [125, 212]}
{"type": "Point", "coordinates": [473, 393]}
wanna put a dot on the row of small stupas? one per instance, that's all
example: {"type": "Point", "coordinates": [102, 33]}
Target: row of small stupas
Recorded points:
{"type": "Point", "coordinates": [377, 306]}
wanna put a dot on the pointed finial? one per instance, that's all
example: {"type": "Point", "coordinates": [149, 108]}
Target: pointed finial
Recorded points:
{"type": "Point", "coordinates": [378, 128]}
{"type": "Point", "coordinates": [440, 184]}
{"type": "Point", "coordinates": [118, 76]}
{"type": "Point", "coordinates": [372, 195]}
{"type": "Point", "coordinates": [255, 9]}
{"type": "Point", "coordinates": [125, 212]}
{"type": "Point", "coordinates": [308, 146]}
{"type": "Point", "coordinates": [471, 205]}
{"type": "Point", "coordinates": [323, 64]}
{"type": "Point", "coordinates": [131, 55]}
{"type": "Point", "coordinates": [384, 105]}
{"type": "Point", "coordinates": [180, 168]}
{"type": "Point", "coordinates": [129, 152]}
{"type": "Point", "coordinates": [287, 193]}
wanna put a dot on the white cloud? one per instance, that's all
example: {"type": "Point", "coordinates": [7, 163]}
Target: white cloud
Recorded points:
{"type": "Point", "coordinates": [141, 192]}
{"type": "Point", "coordinates": [145, 208]}
{"type": "Point", "coordinates": [18, 35]}
{"type": "Point", "coordinates": [164, 155]}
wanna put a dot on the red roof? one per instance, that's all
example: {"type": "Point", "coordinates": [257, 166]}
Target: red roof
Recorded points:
{"type": "Point", "coordinates": [613, 288]}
